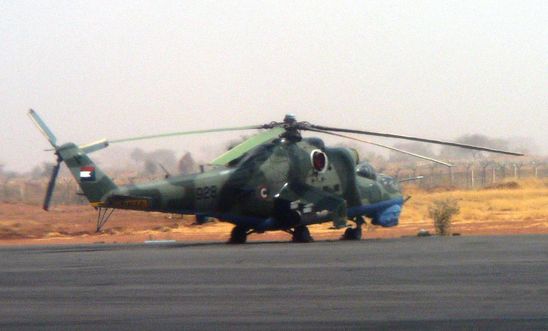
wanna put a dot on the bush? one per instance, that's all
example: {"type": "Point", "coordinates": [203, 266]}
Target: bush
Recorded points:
{"type": "Point", "coordinates": [442, 212]}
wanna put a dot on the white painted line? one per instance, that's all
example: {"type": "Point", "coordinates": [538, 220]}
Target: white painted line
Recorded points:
{"type": "Point", "coordinates": [159, 242]}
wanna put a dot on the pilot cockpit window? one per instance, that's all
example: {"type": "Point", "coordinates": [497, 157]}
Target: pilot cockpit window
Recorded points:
{"type": "Point", "coordinates": [366, 170]}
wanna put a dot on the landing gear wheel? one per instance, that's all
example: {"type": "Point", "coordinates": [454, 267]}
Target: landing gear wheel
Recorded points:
{"type": "Point", "coordinates": [353, 233]}
{"type": "Point", "coordinates": [302, 235]}
{"type": "Point", "coordinates": [238, 235]}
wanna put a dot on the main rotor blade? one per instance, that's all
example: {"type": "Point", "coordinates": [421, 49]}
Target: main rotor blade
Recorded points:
{"type": "Point", "coordinates": [385, 146]}
{"type": "Point", "coordinates": [390, 135]}
{"type": "Point", "coordinates": [247, 145]}
{"type": "Point", "coordinates": [51, 184]}
{"type": "Point", "coordinates": [181, 133]}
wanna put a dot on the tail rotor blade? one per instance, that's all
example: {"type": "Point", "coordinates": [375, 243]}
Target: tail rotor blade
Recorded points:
{"type": "Point", "coordinates": [51, 184]}
{"type": "Point", "coordinates": [41, 125]}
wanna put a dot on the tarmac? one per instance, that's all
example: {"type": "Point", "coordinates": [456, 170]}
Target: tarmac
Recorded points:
{"type": "Point", "coordinates": [409, 283]}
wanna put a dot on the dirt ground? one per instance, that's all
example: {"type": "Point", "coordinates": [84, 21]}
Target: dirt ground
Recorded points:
{"type": "Point", "coordinates": [26, 224]}
{"type": "Point", "coordinates": [505, 211]}
{"type": "Point", "coordinates": [519, 208]}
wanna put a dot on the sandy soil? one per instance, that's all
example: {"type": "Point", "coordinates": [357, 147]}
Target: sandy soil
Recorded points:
{"type": "Point", "coordinates": [22, 224]}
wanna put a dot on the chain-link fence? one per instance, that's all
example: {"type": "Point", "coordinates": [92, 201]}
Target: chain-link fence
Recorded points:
{"type": "Point", "coordinates": [470, 174]}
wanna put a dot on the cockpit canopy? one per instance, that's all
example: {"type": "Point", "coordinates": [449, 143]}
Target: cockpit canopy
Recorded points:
{"type": "Point", "coordinates": [366, 170]}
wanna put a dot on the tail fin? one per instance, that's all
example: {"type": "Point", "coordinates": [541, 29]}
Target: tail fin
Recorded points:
{"type": "Point", "coordinates": [93, 182]}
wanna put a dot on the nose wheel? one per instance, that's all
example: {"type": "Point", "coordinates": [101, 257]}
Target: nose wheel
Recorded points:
{"type": "Point", "coordinates": [302, 235]}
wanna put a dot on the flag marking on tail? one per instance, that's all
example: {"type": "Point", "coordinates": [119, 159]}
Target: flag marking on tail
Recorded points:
{"type": "Point", "coordinates": [87, 174]}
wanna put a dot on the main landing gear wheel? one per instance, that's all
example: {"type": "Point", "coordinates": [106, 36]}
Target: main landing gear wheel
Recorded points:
{"type": "Point", "coordinates": [354, 233]}
{"type": "Point", "coordinates": [302, 235]}
{"type": "Point", "coordinates": [238, 235]}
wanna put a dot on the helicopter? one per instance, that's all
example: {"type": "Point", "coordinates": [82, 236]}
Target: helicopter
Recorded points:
{"type": "Point", "coordinates": [274, 180]}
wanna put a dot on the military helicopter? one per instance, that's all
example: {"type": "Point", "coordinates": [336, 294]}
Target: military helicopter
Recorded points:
{"type": "Point", "coordinates": [275, 180]}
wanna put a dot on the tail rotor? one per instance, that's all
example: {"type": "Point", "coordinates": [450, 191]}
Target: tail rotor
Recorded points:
{"type": "Point", "coordinates": [93, 182]}
{"type": "Point", "coordinates": [51, 184]}
{"type": "Point", "coordinates": [41, 125]}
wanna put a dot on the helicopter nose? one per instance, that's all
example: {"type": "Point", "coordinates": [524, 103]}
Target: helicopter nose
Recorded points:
{"type": "Point", "coordinates": [388, 217]}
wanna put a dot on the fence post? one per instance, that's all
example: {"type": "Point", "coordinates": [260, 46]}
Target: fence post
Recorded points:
{"type": "Point", "coordinates": [535, 165]}
{"type": "Point", "coordinates": [517, 168]}
{"type": "Point", "coordinates": [472, 182]}
{"type": "Point", "coordinates": [515, 171]}
{"type": "Point", "coordinates": [484, 165]}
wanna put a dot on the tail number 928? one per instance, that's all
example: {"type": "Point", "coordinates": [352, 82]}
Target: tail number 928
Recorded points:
{"type": "Point", "coordinates": [206, 192]}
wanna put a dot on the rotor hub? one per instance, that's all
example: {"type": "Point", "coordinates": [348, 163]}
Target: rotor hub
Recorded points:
{"type": "Point", "coordinates": [290, 119]}
{"type": "Point", "coordinates": [291, 127]}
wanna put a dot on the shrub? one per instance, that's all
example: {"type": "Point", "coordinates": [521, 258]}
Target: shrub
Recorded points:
{"type": "Point", "coordinates": [442, 212]}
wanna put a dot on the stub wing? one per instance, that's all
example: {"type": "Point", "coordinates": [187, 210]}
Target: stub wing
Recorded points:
{"type": "Point", "coordinates": [302, 204]}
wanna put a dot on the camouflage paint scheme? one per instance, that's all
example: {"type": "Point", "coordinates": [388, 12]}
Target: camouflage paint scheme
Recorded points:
{"type": "Point", "coordinates": [275, 180]}
{"type": "Point", "coordinates": [275, 186]}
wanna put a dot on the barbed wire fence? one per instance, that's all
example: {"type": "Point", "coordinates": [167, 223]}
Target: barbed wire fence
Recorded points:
{"type": "Point", "coordinates": [470, 175]}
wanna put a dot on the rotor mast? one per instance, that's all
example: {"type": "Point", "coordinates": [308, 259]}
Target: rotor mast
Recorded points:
{"type": "Point", "coordinates": [291, 127]}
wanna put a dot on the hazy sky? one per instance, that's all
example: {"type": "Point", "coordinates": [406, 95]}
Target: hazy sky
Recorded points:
{"type": "Point", "coordinates": [110, 69]}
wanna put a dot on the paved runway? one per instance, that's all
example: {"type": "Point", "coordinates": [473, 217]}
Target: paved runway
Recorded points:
{"type": "Point", "coordinates": [409, 283]}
